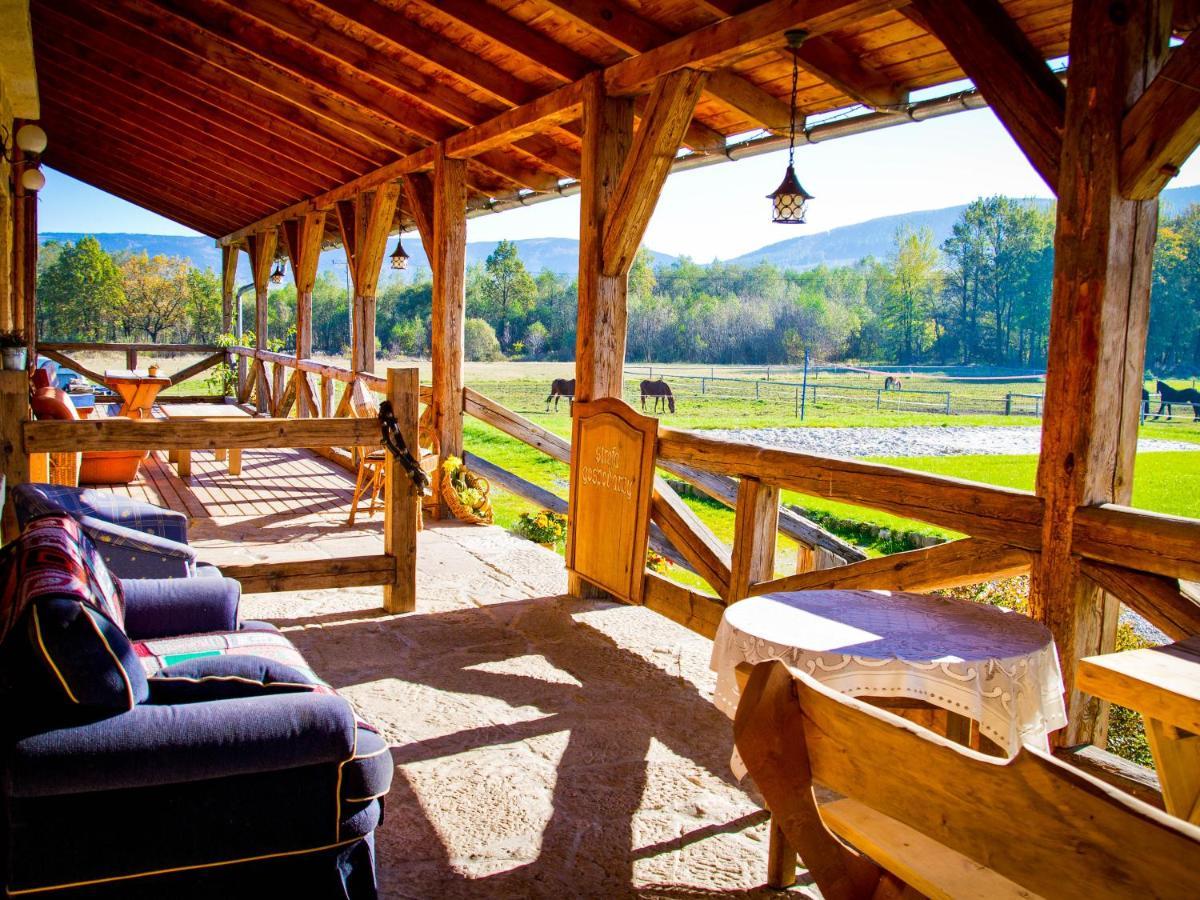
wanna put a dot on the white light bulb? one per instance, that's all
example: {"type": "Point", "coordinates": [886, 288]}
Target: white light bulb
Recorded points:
{"type": "Point", "coordinates": [31, 138]}
{"type": "Point", "coordinates": [33, 180]}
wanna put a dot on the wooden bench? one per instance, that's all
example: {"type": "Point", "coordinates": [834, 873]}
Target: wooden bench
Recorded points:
{"type": "Point", "coordinates": [926, 815]}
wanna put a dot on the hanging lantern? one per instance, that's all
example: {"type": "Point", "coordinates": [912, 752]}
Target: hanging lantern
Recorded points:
{"type": "Point", "coordinates": [277, 275]}
{"type": "Point", "coordinates": [399, 258]}
{"type": "Point", "coordinates": [789, 201]}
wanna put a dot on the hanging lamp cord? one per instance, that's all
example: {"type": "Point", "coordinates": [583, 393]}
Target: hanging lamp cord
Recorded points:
{"type": "Point", "coordinates": [394, 441]}
{"type": "Point", "coordinates": [795, 82]}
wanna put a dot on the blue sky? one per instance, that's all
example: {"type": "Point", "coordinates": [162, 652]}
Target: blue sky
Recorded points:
{"type": "Point", "coordinates": [721, 211]}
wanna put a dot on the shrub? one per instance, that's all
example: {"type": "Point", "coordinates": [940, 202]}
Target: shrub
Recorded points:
{"type": "Point", "coordinates": [480, 342]}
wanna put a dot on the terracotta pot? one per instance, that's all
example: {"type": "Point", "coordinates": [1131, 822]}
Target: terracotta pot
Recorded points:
{"type": "Point", "coordinates": [153, 371]}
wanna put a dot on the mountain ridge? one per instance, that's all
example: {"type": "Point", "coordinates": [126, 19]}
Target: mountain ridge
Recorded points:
{"type": "Point", "coordinates": [844, 245]}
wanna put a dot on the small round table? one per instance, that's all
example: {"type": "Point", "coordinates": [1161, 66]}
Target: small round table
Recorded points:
{"type": "Point", "coordinates": [995, 667]}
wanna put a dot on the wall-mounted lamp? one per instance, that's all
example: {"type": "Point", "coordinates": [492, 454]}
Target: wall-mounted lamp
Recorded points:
{"type": "Point", "coordinates": [31, 140]}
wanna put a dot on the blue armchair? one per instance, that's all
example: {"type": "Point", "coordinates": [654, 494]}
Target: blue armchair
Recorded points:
{"type": "Point", "coordinates": [258, 778]}
{"type": "Point", "coordinates": [137, 540]}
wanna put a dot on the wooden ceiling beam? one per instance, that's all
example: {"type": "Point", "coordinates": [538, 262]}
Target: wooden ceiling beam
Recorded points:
{"type": "Point", "coordinates": [205, 138]}
{"type": "Point", "coordinates": [758, 29]}
{"type": "Point", "coordinates": [497, 26]}
{"type": "Point", "coordinates": [1162, 128]}
{"type": "Point", "coordinates": [150, 196]}
{"type": "Point", "coordinates": [238, 97]}
{"type": "Point", "coordinates": [366, 17]}
{"type": "Point", "coordinates": [181, 152]}
{"type": "Point", "coordinates": [429, 108]}
{"type": "Point", "coordinates": [297, 88]}
{"type": "Point", "coordinates": [759, 26]}
{"type": "Point", "coordinates": [553, 58]}
{"type": "Point", "coordinates": [635, 34]}
{"type": "Point", "coordinates": [1025, 95]}
{"type": "Point", "coordinates": [832, 63]}
{"type": "Point", "coordinates": [132, 151]}
{"type": "Point", "coordinates": [205, 114]}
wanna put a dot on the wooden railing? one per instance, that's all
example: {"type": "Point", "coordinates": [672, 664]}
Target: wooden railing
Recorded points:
{"type": "Point", "coordinates": [1139, 557]}
{"type": "Point", "coordinates": [60, 351]}
{"type": "Point", "coordinates": [395, 568]}
{"type": "Point", "coordinates": [280, 385]}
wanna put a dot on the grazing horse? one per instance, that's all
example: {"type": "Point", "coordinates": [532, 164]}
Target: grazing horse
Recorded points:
{"type": "Point", "coordinates": [1169, 395]}
{"type": "Point", "coordinates": [892, 383]}
{"type": "Point", "coordinates": [561, 387]}
{"type": "Point", "coordinates": [660, 391]}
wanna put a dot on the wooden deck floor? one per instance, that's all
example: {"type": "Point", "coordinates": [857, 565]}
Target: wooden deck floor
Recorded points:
{"type": "Point", "coordinates": [272, 482]}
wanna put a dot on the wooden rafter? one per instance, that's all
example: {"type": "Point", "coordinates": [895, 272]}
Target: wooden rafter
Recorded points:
{"type": "Point", "coordinates": [155, 198]}
{"type": "Point", "coordinates": [125, 84]}
{"type": "Point", "coordinates": [833, 64]}
{"type": "Point", "coordinates": [1020, 88]}
{"type": "Point", "coordinates": [82, 133]}
{"type": "Point", "coordinates": [758, 29]}
{"type": "Point", "coordinates": [635, 34]}
{"type": "Point", "coordinates": [1162, 128]}
{"type": "Point", "coordinates": [81, 88]}
{"type": "Point", "coordinates": [201, 78]}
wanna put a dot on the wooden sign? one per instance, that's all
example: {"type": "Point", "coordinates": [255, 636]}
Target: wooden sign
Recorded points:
{"type": "Point", "coordinates": [612, 476]}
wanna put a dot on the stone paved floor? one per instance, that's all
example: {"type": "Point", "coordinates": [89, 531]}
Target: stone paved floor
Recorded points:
{"type": "Point", "coordinates": [544, 746]}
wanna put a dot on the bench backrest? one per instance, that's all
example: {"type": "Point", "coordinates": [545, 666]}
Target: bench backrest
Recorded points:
{"type": "Point", "coordinates": [1034, 820]}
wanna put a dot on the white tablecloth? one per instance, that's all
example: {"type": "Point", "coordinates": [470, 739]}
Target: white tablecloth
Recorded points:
{"type": "Point", "coordinates": [991, 665]}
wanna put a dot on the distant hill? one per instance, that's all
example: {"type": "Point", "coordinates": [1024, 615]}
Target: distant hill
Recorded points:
{"type": "Point", "coordinates": [850, 243]}
{"type": "Point", "coordinates": [838, 246]}
{"type": "Point", "coordinates": [556, 254]}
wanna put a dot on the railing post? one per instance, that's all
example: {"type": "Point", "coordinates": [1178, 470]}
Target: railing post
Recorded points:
{"type": "Point", "coordinates": [1008, 404]}
{"type": "Point", "coordinates": [403, 503]}
{"type": "Point", "coordinates": [131, 359]}
{"type": "Point", "coordinates": [14, 461]}
{"type": "Point", "coordinates": [756, 525]}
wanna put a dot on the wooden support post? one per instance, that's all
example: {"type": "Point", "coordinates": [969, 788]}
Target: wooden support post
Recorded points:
{"type": "Point", "coordinates": [14, 461]}
{"type": "Point", "coordinates": [1103, 253]}
{"type": "Point", "coordinates": [262, 247]}
{"type": "Point", "coordinates": [229, 261]}
{"type": "Point", "coordinates": [302, 237]}
{"type": "Point", "coordinates": [364, 222]}
{"type": "Point", "coordinates": [29, 277]}
{"type": "Point", "coordinates": [756, 525]}
{"type": "Point", "coordinates": [600, 334]}
{"type": "Point", "coordinates": [449, 303]}
{"type": "Point", "coordinates": [16, 313]}
{"type": "Point", "coordinates": [403, 504]}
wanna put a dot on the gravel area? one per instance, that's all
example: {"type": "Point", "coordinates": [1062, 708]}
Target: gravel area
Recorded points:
{"type": "Point", "coordinates": [917, 440]}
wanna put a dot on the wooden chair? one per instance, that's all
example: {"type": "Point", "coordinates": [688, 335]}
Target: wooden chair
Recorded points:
{"type": "Point", "coordinates": [926, 815]}
{"type": "Point", "coordinates": [372, 468]}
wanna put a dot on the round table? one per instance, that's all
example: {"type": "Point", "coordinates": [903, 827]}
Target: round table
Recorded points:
{"type": "Point", "coordinates": [988, 664]}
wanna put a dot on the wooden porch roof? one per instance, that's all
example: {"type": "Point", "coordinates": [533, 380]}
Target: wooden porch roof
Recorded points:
{"type": "Point", "coordinates": [219, 114]}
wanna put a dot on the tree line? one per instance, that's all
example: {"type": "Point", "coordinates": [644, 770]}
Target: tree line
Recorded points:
{"type": "Point", "coordinates": [980, 297]}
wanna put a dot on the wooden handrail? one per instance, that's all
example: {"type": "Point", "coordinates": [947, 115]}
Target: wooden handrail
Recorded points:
{"type": "Point", "coordinates": [122, 347]}
{"type": "Point", "coordinates": [999, 514]}
{"type": "Point", "coordinates": [195, 434]}
{"type": "Point", "coordinates": [375, 383]}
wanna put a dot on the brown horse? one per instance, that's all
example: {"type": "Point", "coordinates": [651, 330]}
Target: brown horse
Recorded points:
{"type": "Point", "coordinates": [660, 391]}
{"type": "Point", "coordinates": [892, 383]}
{"type": "Point", "coordinates": [561, 387]}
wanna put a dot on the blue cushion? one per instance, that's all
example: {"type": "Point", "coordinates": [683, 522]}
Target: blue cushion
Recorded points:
{"type": "Point", "coordinates": [31, 500]}
{"type": "Point", "coordinates": [224, 677]}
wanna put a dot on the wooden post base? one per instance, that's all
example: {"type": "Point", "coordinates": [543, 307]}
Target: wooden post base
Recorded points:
{"type": "Point", "coordinates": [585, 590]}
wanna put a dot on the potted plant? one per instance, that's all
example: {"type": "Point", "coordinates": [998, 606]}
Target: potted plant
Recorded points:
{"type": "Point", "coordinates": [546, 528]}
{"type": "Point", "coordinates": [152, 371]}
{"type": "Point", "coordinates": [13, 351]}
{"type": "Point", "coordinates": [465, 492]}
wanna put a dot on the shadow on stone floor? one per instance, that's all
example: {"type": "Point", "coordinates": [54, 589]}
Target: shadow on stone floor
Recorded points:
{"type": "Point", "coordinates": [484, 704]}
